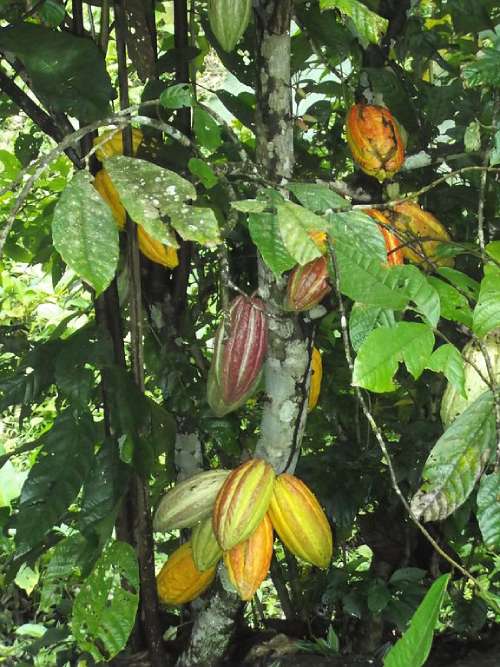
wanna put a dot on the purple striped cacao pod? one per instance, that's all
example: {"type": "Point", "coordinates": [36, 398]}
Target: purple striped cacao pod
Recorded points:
{"type": "Point", "coordinates": [308, 285]}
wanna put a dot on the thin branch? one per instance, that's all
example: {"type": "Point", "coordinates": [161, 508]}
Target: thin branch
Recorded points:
{"type": "Point", "coordinates": [27, 447]}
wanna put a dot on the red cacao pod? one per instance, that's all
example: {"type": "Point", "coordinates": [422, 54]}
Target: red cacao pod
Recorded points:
{"type": "Point", "coordinates": [239, 351]}
{"type": "Point", "coordinates": [375, 141]}
{"type": "Point", "coordinates": [308, 285]}
{"type": "Point", "coordinates": [248, 563]}
{"type": "Point", "coordinates": [395, 253]}
{"type": "Point", "coordinates": [242, 502]}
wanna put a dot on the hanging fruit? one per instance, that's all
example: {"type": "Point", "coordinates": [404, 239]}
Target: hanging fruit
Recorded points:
{"type": "Point", "coordinates": [316, 377]}
{"type": "Point", "coordinates": [155, 250]}
{"type": "Point", "coordinates": [114, 145]}
{"type": "Point", "coordinates": [308, 285]}
{"type": "Point", "coordinates": [206, 549]}
{"type": "Point", "coordinates": [179, 581]}
{"type": "Point", "coordinates": [104, 186]}
{"type": "Point", "coordinates": [228, 20]}
{"type": "Point", "coordinates": [395, 253]}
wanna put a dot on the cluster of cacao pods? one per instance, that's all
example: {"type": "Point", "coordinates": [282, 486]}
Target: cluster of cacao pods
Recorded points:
{"type": "Point", "coordinates": [234, 515]}
{"type": "Point", "coordinates": [154, 250]}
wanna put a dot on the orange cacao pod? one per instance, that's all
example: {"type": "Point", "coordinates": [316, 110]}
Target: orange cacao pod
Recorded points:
{"type": "Point", "coordinates": [104, 186]}
{"type": "Point", "coordinates": [316, 377]}
{"type": "Point", "coordinates": [375, 141]}
{"type": "Point", "coordinates": [300, 522]}
{"type": "Point", "coordinates": [248, 563]}
{"type": "Point", "coordinates": [395, 253]}
{"type": "Point", "coordinates": [206, 549]}
{"type": "Point", "coordinates": [307, 285]}
{"type": "Point", "coordinates": [179, 581]}
{"type": "Point", "coordinates": [155, 250]}
{"type": "Point", "coordinates": [239, 351]}
{"type": "Point", "coordinates": [242, 502]}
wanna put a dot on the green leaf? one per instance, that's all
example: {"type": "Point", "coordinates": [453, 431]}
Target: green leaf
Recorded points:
{"type": "Point", "coordinates": [484, 70]}
{"type": "Point", "coordinates": [487, 311]}
{"type": "Point", "coordinates": [493, 248]}
{"type": "Point", "coordinates": [11, 483]}
{"type": "Point", "coordinates": [294, 223]}
{"type": "Point", "coordinates": [472, 136]}
{"type": "Point", "coordinates": [55, 479]}
{"type": "Point", "coordinates": [461, 281]}
{"type": "Point", "coordinates": [363, 319]}
{"type": "Point", "coordinates": [105, 608]}
{"type": "Point", "coordinates": [358, 231]}
{"type": "Point", "coordinates": [203, 171]}
{"type": "Point", "coordinates": [456, 461]}
{"type": "Point", "coordinates": [379, 356]}
{"type": "Point", "coordinates": [194, 223]}
{"type": "Point", "coordinates": [318, 198]}
{"type": "Point", "coordinates": [206, 130]}
{"type": "Point", "coordinates": [85, 233]}
{"type": "Point", "coordinates": [448, 360]}
{"type": "Point", "coordinates": [177, 96]}
{"type": "Point", "coordinates": [413, 649]}
{"type": "Point", "coordinates": [265, 233]}
{"type": "Point", "coordinates": [66, 71]}
{"type": "Point", "coordinates": [250, 205]}
{"type": "Point", "coordinates": [369, 26]}
{"type": "Point", "coordinates": [488, 510]}
{"type": "Point", "coordinates": [52, 13]}
{"type": "Point", "coordinates": [454, 305]}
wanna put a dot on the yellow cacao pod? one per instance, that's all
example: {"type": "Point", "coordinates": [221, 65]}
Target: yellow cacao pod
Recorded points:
{"type": "Point", "coordinates": [179, 581]}
{"type": "Point", "coordinates": [248, 563]}
{"type": "Point", "coordinates": [114, 145]}
{"type": "Point", "coordinates": [316, 377]}
{"type": "Point", "coordinates": [242, 502]}
{"type": "Point", "coordinates": [300, 522]}
{"type": "Point", "coordinates": [104, 186]}
{"type": "Point", "coordinates": [155, 250]}
{"type": "Point", "coordinates": [206, 549]}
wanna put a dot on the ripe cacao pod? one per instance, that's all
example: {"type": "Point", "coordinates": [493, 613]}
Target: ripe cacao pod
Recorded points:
{"type": "Point", "coordinates": [300, 522]}
{"type": "Point", "coordinates": [316, 377]}
{"type": "Point", "coordinates": [206, 549]}
{"type": "Point", "coordinates": [375, 141]}
{"type": "Point", "coordinates": [307, 285]}
{"type": "Point", "coordinates": [104, 186]}
{"type": "Point", "coordinates": [239, 351]}
{"type": "Point", "coordinates": [114, 146]}
{"type": "Point", "coordinates": [413, 222]}
{"type": "Point", "coordinates": [248, 563]}
{"type": "Point", "coordinates": [155, 250]}
{"type": "Point", "coordinates": [189, 501]}
{"type": "Point", "coordinates": [453, 403]}
{"type": "Point", "coordinates": [228, 20]}
{"type": "Point", "coordinates": [179, 581]}
{"type": "Point", "coordinates": [392, 244]}
{"type": "Point", "coordinates": [242, 502]}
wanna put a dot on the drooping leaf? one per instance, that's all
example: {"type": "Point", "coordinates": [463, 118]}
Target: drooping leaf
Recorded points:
{"type": "Point", "coordinates": [194, 223]}
{"type": "Point", "coordinates": [488, 510]}
{"type": "Point", "coordinates": [294, 223]}
{"type": "Point", "coordinates": [369, 26]}
{"type": "Point", "coordinates": [487, 311]}
{"type": "Point", "coordinates": [363, 319]}
{"type": "Point", "coordinates": [456, 461]}
{"type": "Point", "coordinates": [448, 360]}
{"type": "Point", "coordinates": [265, 233]}
{"type": "Point", "coordinates": [318, 198]}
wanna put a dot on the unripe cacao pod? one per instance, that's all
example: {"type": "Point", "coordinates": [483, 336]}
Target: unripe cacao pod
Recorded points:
{"type": "Point", "coordinates": [239, 351]}
{"type": "Point", "coordinates": [242, 502]}
{"type": "Point", "coordinates": [206, 549]}
{"type": "Point", "coordinates": [300, 522]}
{"type": "Point", "coordinates": [228, 20]}
{"type": "Point", "coordinates": [307, 285]}
{"type": "Point", "coordinates": [453, 403]}
{"type": "Point", "coordinates": [179, 581]}
{"type": "Point", "coordinates": [155, 250]}
{"type": "Point", "coordinates": [114, 146]}
{"type": "Point", "coordinates": [375, 141]}
{"type": "Point", "coordinates": [412, 221]}
{"type": "Point", "coordinates": [392, 244]}
{"type": "Point", "coordinates": [189, 501]}
{"type": "Point", "coordinates": [248, 563]}
{"type": "Point", "coordinates": [316, 377]}
{"type": "Point", "coordinates": [104, 186]}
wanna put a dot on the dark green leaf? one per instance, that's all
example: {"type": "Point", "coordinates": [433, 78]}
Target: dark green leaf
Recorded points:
{"type": "Point", "coordinates": [206, 129]}
{"type": "Point", "coordinates": [454, 305]}
{"type": "Point", "coordinates": [203, 171]}
{"type": "Point", "coordinates": [488, 510]}
{"type": "Point", "coordinates": [177, 96]}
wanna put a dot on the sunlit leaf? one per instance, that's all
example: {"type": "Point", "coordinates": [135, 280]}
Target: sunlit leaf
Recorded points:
{"type": "Point", "coordinates": [369, 26]}
{"type": "Point", "coordinates": [448, 360]}
{"type": "Point", "coordinates": [265, 233]}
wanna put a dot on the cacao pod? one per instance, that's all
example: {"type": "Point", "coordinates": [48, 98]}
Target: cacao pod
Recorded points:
{"type": "Point", "coordinates": [104, 186]}
{"type": "Point", "coordinates": [413, 222]}
{"type": "Point", "coordinates": [155, 250]}
{"type": "Point", "coordinates": [316, 377]}
{"type": "Point", "coordinates": [228, 20]}
{"type": "Point", "coordinates": [300, 522]}
{"type": "Point", "coordinates": [189, 501]}
{"type": "Point", "coordinates": [239, 351]}
{"type": "Point", "coordinates": [179, 581]}
{"type": "Point", "coordinates": [453, 403]}
{"type": "Point", "coordinates": [206, 549]}
{"type": "Point", "coordinates": [375, 141]}
{"type": "Point", "coordinates": [114, 146]}
{"type": "Point", "coordinates": [392, 244]}
{"type": "Point", "coordinates": [248, 563]}
{"type": "Point", "coordinates": [242, 502]}
{"type": "Point", "coordinates": [307, 285]}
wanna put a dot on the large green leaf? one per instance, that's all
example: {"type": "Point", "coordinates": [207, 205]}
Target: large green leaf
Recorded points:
{"type": "Point", "coordinates": [363, 319]}
{"type": "Point", "coordinates": [85, 233]}
{"type": "Point", "coordinates": [105, 608]}
{"type": "Point", "coordinates": [379, 356]}
{"type": "Point", "coordinates": [55, 479]}
{"type": "Point", "coordinates": [448, 360]}
{"type": "Point", "coordinates": [265, 233]}
{"type": "Point", "coordinates": [413, 649]}
{"type": "Point", "coordinates": [487, 311]}
{"type": "Point", "coordinates": [294, 224]}
{"type": "Point", "coordinates": [369, 26]}
{"type": "Point", "coordinates": [456, 461]}
{"type": "Point", "coordinates": [454, 305]}
{"type": "Point", "coordinates": [357, 230]}
{"type": "Point", "coordinates": [488, 510]}
{"type": "Point", "coordinates": [68, 72]}
{"type": "Point", "coordinates": [196, 223]}
{"type": "Point", "coordinates": [318, 198]}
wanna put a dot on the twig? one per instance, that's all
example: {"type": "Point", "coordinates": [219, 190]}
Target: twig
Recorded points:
{"type": "Point", "coordinates": [27, 447]}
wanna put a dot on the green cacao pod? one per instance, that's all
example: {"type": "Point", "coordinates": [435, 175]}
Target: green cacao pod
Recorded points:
{"type": "Point", "coordinates": [228, 20]}
{"type": "Point", "coordinates": [179, 581]}
{"type": "Point", "coordinates": [206, 549]}
{"type": "Point", "coordinates": [189, 501]}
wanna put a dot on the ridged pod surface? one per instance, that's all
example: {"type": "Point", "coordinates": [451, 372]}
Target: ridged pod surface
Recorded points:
{"type": "Point", "coordinates": [316, 377]}
{"type": "Point", "coordinates": [239, 351]}
{"type": "Point", "coordinates": [375, 141]}
{"type": "Point", "coordinates": [155, 250]}
{"type": "Point", "coordinates": [300, 522]}
{"type": "Point", "coordinates": [242, 502]}
{"type": "Point", "coordinates": [206, 549]}
{"type": "Point", "coordinates": [104, 186]}
{"type": "Point", "coordinates": [307, 285]}
{"type": "Point", "coordinates": [179, 581]}
{"type": "Point", "coordinates": [248, 563]}
{"type": "Point", "coordinates": [114, 146]}
{"type": "Point", "coordinates": [410, 219]}
{"type": "Point", "coordinates": [189, 501]}
{"type": "Point", "coordinates": [395, 253]}
{"type": "Point", "coordinates": [228, 20]}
